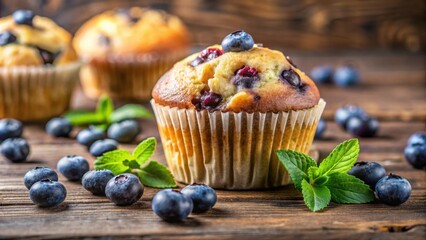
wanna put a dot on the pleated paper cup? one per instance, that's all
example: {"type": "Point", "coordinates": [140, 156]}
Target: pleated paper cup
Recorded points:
{"type": "Point", "coordinates": [31, 93]}
{"type": "Point", "coordinates": [126, 78]}
{"type": "Point", "coordinates": [231, 150]}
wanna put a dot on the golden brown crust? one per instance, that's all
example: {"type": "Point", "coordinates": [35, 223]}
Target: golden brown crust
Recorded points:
{"type": "Point", "coordinates": [184, 84]}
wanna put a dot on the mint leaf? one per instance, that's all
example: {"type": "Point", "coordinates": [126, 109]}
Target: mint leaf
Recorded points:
{"type": "Point", "coordinates": [105, 107]}
{"type": "Point", "coordinates": [113, 161]}
{"type": "Point", "coordinates": [131, 164]}
{"type": "Point", "coordinates": [144, 150]}
{"type": "Point", "coordinates": [315, 197]}
{"type": "Point", "coordinates": [312, 172]}
{"type": "Point", "coordinates": [156, 175]}
{"type": "Point", "coordinates": [81, 117]}
{"type": "Point", "coordinates": [321, 181]}
{"type": "Point", "coordinates": [297, 165]}
{"type": "Point", "coordinates": [341, 159]}
{"type": "Point", "coordinates": [346, 188]}
{"type": "Point", "coordinates": [129, 111]}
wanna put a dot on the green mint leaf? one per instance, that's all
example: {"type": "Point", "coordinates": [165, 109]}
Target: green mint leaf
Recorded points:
{"type": "Point", "coordinates": [129, 111]}
{"type": "Point", "coordinates": [144, 150]}
{"type": "Point", "coordinates": [156, 175]}
{"type": "Point", "coordinates": [341, 159]}
{"type": "Point", "coordinates": [81, 117]}
{"type": "Point", "coordinates": [105, 107]}
{"type": "Point", "coordinates": [312, 172]}
{"type": "Point", "coordinates": [346, 188]}
{"type": "Point", "coordinates": [131, 164]}
{"type": "Point", "coordinates": [315, 197]}
{"type": "Point", "coordinates": [113, 161]}
{"type": "Point", "coordinates": [321, 181]}
{"type": "Point", "coordinates": [297, 165]}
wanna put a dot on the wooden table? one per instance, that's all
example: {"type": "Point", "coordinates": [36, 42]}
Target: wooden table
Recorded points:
{"type": "Point", "coordinates": [393, 89]}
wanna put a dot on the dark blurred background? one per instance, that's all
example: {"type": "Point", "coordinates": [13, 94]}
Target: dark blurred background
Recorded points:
{"type": "Point", "coordinates": [322, 25]}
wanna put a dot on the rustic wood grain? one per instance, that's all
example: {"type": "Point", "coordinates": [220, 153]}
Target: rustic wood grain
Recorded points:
{"type": "Point", "coordinates": [313, 25]}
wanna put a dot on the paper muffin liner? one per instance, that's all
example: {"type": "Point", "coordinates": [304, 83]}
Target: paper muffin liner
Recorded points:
{"type": "Point", "coordinates": [126, 77]}
{"type": "Point", "coordinates": [232, 150]}
{"type": "Point", "coordinates": [31, 93]}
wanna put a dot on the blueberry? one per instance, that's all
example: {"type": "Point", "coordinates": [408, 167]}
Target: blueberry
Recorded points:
{"type": "Point", "coordinates": [206, 55]}
{"type": "Point", "coordinates": [96, 181]}
{"type": "Point", "coordinates": [362, 126]}
{"type": "Point", "coordinates": [102, 146]}
{"type": "Point", "coordinates": [125, 131]}
{"type": "Point", "coordinates": [47, 56]}
{"type": "Point", "coordinates": [210, 100]}
{"type": "Point", "coordinates": [15, 149]}
{"type": "Point", "coordinates": [319, 132]}
{"type": "Point", "coordinates": [171, 205]}
{"type": "Point", "coordinates": [89, 135]}
{"type": "Point", "coordinates": [417, 139]}
{"type": "Point", "coordinates": [369, 172]}
{"type": "Point", "coordinates": [322, 74]}
{"type": "Point", "coordinates": [7, 38]}
{"type": "Point", "coordinates": [291, 77]}
{"type": "Point", "coordinates": [203, 197]}
{"type": "Point", "coordinates": [246, 77]}
{"type": "Point", "coordinates": [38, 173]}
{"type": "Point", "coordinates": [10, 128]}
{"type": "Point", "coordinates": [23, 17]}
{"type": "Point", "coordinates": [393, 190]}
{"type": "Point", "coordinates": [124, 189]}
{"type": "Point", "coordinates": [47, 193]}
{"type": "Point", "coordinates": [73, 167]}
{"type": "Point", "coordinates": [346, 76]}
{"type": "Point", "coordinates": [416, 155]}
{"type": "Point", "coordinates": [344, 113]}
{"type": "Point", "coordinates": [59, 127]}
{"type": "Point", "coordinates": [237, 41]}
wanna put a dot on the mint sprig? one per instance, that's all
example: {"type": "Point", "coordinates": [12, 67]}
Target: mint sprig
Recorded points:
{"type": "Point", "coordinates": [329, 181]}
{"type": "Point", "coordinates": [150, 172]}
{"type": "Point", "coordinates": [105, 114]}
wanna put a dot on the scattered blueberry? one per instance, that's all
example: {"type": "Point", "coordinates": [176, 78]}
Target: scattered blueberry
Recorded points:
{"type": "Point", "coordinates": [102, 146]}
{"type": "Point", "coordinates": [73, 167]}
{"type": "Point", "coordinates": [59, 127]}
{"type": "Point", "coordinates": [246, 77]}
{"type": "Point", "coordinates": [15, 149]}
{"type": "Point", "coordinates": [96, 181]}
{"type": "Point", "coordinates": [7, 38]}
{"type": "Point", "coordinates": [47, 193]}
{"type": "Point", "coordinates": [346, 76]}
{"type": "Point", "coordinates": [393, 190]}
{"type": "Point", "coordinates": [38, 173]}
{"type": "Point", "coordinates": [291, 77]}
{"type": "Point", "coordinates": [203, 197]}
{"type": "Point", "coordinates": [10, 128]}
{"type": "Point", "coordinates": [344, 113]}
{"type": "Point", "coordinates": [23, 17]}
{"type": "Point", "coordinates": [125, 131]}
{"type": "Point", "coordinates": [369, 172]}
{"type": "Point", "coordinates": [124, 189]}
{"type": "Point", "coordinates": [206, 55]}
{"type": "Point", "coordinates": [237, 41]}
{"type": "Point", "coordinates": [322, 74]}
{"type": "Point", "coordinates": [319, 132]}
{"type": "Point", "coordinates": [171, 205]}
{"type": "Point", "coordinates": [417, 139]}
{"type": "Point", "coordinates": [89, 135]}
{"type": "Point", "coordinates": [416, 155]}
{"type": "Point", "coordinates": [362, 126]}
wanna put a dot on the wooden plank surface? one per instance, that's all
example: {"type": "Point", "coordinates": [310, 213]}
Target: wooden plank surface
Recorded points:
{"type": "Point", "coordinates": [270, 214]}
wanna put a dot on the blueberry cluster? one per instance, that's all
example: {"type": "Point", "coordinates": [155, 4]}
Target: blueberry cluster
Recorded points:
{"type": "Point", "coordinates": [415, 151]}
{"type": "Point", "coordinates": [12, 146]}
{"type": "Point", "coordinates": [344, 76]}
{"type": "Point", "coordinates": [355, 121]}
{"type": "Point", "coordinates": [392, 189]}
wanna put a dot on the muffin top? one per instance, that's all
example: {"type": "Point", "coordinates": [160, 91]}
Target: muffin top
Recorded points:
{"type": "Point", "coordinates": [26, 39]}
{"type": "Point", "coordinates": [129, 32]}
{"type": "Point", "coordinates": [237, 76]}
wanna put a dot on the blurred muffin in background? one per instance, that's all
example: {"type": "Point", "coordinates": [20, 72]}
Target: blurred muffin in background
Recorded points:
{"type": "Point", "coordinates": [127, 50]}
{"type": "Point", "coordinates": [38, 67]}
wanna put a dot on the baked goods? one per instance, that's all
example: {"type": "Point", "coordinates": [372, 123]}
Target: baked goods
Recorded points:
{"type": "Point", "coordinates": [127, 50]}
{"type": "Point", "coordinates": [38, 67]}
{"type": "Point", "coordinates": [221, 115]}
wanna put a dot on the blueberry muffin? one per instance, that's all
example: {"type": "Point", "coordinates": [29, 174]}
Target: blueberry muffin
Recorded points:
{"type": "Point", "coordinates": [223, 112]}
{"type": "Point", "coordinates": [127, 50]}
{"type": "Point", "coordinates": [38, 67]}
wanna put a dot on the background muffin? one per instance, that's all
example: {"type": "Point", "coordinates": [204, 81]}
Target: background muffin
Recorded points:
{"type": "Point", "coordinates": [222, 114]}
{"type": "Point", "coordinates": [127, 50]}
{"type": "Point", "coordinates": [38, 67]}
